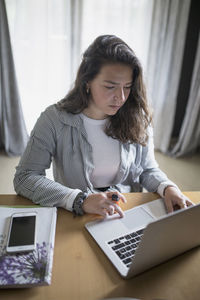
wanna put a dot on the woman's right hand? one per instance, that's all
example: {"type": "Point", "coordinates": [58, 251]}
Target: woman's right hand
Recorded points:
{"type": "Point", "coordinates": [102, 204]}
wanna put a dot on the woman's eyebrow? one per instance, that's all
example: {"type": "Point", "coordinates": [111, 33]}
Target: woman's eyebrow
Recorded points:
{"type": "Point", "coordinates": [112, 82]}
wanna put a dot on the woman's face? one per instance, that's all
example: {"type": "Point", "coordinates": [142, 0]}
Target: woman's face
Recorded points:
{"type": "Point", "coordinates": [109, 90]}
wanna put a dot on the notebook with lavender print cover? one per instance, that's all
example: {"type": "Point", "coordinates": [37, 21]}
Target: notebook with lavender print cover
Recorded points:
{"type": "Point", "coordinates": [33, 268]}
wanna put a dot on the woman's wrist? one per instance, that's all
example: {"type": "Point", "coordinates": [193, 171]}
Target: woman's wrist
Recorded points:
{"type": "Point", "coordinates": [168, 186]}
{"type": "Point", "coordinates": [171, 187]}
{"type": "Point", "coordinates": [78, 204]}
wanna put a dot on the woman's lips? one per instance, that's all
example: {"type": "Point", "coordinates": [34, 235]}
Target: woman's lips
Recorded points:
{"type": "Point", "coordinates": [115, 106]}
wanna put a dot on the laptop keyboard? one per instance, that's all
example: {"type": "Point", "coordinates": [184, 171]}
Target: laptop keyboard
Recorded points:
{"type": "Point", "coordinates": [125, 246]}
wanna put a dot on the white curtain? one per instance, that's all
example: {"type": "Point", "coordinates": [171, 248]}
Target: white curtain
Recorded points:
{"type": "Point", "coordinates": [168, 34]}
{"type": "Point", "coordinates": [49, 37]}
{"type": "Point", "coordinates": [41, 38]}
{"type": "Point", "coordinates": [128, 19]}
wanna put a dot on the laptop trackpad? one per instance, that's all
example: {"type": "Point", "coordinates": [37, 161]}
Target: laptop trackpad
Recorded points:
{"type": "Point", "coordinates": [136, 217]}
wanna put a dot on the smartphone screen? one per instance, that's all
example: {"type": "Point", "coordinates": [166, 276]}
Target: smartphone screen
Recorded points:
{"type": "Point", "coordinates": [22, 233]}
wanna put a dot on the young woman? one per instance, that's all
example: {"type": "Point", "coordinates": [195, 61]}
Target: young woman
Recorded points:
{"type": "Point", "coordinates": [99, 139]}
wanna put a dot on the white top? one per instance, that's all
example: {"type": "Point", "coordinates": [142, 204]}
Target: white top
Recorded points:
{"type": "Point", "coordinates": [106, 152]}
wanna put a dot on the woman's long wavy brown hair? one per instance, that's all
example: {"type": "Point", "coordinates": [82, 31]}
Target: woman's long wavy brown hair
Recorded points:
{"type": "Point", "coordinates": [131, 121]}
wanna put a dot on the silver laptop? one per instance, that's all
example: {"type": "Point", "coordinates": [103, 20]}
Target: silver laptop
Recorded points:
{"type": "Point", "coordinates": [146, 236]}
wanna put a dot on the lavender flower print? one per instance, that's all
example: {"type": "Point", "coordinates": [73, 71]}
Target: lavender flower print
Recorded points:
{"type": "Point", "coordinates": [25, 268]}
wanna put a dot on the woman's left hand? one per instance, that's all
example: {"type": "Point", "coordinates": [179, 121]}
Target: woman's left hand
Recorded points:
{"type": "Point", "coordinates": [174, 199]}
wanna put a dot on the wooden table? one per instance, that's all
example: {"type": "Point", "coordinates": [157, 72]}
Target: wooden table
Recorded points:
{"type": "Point", "coordinates": [82, 272]}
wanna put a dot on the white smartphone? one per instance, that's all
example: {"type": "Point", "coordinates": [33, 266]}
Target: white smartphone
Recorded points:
{"type": "Point", "coordinates": [22, 232]}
